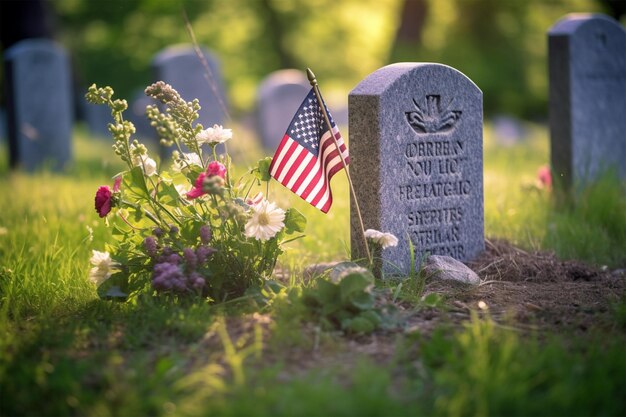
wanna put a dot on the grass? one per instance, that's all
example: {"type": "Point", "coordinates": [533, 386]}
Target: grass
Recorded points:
{"type": "Point", "coordinates": [65, 352]}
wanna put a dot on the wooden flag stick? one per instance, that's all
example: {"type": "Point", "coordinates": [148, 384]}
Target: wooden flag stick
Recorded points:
{"type": "Point", "coordinates": [316, 88]}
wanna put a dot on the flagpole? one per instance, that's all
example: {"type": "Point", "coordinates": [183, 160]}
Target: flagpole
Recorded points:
{"type": "Point", "coordinates": [316, 88]}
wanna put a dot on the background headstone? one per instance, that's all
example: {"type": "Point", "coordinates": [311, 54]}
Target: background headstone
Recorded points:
{"type": "Point", "coordinates": [416, 152]}
{"type": "Point", "coordinates": [39, 104]}
{"type": "Point", "coordinates": [97, 117]}
{"type": "Point", "coordinates": [137, 115]}
{"type": "Point", "coordinates": [181, 67]}
{"type": "Point", "coordinates": [278, 97]}
{"type": "Point", "coordinates": [587, 66]}
{"type": "Point", "coordinates": [3, 125]}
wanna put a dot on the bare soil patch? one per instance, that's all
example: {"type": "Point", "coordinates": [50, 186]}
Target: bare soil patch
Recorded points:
{"type": "Point", "coordinates": [525, 291]}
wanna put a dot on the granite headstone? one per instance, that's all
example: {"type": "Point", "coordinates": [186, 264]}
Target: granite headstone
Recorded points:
{"type": "Point", "coordinates": [183, 69]}
{"type": "Point", "coordinates": [587, 68]}
{"type": "Point", "coordinates": [39, 104]}
{"type": "Point", "coordinates": [137, 115]}
{"type": "Point", "coordinates": [97, 117]}
{"type": "Point", "coordinates": [278, 97]}
{"type": "Point", "coordinates": [3, 125]}
{"type": "Point", "coordinates": [416, 150]}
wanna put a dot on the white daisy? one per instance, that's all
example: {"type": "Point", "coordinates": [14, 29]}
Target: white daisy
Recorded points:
{"type": "Point", "coordinates": [214, 135]}
{"type": "Point", "coordinates": [386, 240]}
{"type": "Point", "coordinates": [103, 267]}
{"type": "Point", "coordinates": [267, 220]}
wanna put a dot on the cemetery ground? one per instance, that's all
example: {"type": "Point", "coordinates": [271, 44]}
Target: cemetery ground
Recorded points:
{"type": "Point", "coordinates": [543, 334]}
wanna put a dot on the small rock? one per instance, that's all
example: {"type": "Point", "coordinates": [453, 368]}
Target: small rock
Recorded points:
{"type": "Point", "coordinates": [447, 268]}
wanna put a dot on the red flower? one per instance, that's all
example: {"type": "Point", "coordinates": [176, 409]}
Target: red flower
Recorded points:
{"type": "Point", "coordinates": [196, 191]}
{"type": "Point", "coordinates": [103, 200]}
{"type": "Point", "coordinates": [104, 197]}
{"type": "Point", "coordinates": [215, 168]}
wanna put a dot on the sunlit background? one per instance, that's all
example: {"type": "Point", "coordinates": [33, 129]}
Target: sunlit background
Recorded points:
{"type": "Point", "coordinates": [500, 45]}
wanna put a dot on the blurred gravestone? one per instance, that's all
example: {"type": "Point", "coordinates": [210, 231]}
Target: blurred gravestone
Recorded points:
{"type": "Point", "coordinates": [137, 115]}
{"type": "Point", "coordinates": [416, 151]}
{"type": "Point", "coordinates": [278, 97]}
{"type": "Point", "coordinates": [587, 65]}
{"type": "Point", "coordinates": [39, 104]}
{"type": "Point", "coordinates": [3, 125]}
{"type": "Point", "coordinates": [183, 69]}
{"type": "Point", "coordinates": [97, 117]}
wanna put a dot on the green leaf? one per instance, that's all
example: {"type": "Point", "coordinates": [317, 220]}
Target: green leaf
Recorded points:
{"type": "Point", "coordinates": [138, 180]}
{"type": "Point", "coordinates": [372, 316]}
{"type": "Point", "coordinates": [190, 230]}
{"type": "Point", "coordinates": [294, 221]}
{"type": "Point", "coordinates": [432, 300]}
{"type": "Point", "coordinates": [358, 325]}
{"type": "Point", "coordinates": [328, 296]}
{"type": "Point", "coordinates": [168, 194]}
{"type": "Point", "coordinates": [115, 287]}
{"type": "Point", "coordinates": [192, 173]}
{"type": "Point", "coordinates": [362, 300]}
{"type": "Point", "coordinates": [352, 284]}
{"type": "Point", "coordinates": [263, 167]}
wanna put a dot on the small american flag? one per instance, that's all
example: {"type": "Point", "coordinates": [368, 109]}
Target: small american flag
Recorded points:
{"type": "Point", "coordinates": [307, 157]}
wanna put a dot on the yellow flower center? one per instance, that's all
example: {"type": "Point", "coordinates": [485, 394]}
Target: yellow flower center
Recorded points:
{"type": "Point", "coordinates": [264, 219]}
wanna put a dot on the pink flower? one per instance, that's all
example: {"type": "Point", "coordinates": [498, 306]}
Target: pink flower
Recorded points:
{"type": "Point", "coordinates": [196, 191]}
{"type": "Point", "coordinates": [545, 176]}
{"type": "Point", "coordinates": [215, 168]}
{"type": "Point", "coordinates": [117, 184]}
{"type": "Point", "coordinates": [103, 200]}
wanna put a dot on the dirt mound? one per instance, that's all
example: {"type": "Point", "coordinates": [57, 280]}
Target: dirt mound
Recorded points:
{"type": "Point", "coordinates": [537, 290]}
{"type": "Point", "coordinates": [502, 261]}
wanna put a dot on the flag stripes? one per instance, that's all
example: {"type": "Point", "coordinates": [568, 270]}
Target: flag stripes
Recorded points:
{"type": "Point", "coordinates": [301, 171]}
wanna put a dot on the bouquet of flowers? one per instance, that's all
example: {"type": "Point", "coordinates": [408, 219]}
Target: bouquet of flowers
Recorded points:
{"type": "Point", "coordinates": [192, 229]}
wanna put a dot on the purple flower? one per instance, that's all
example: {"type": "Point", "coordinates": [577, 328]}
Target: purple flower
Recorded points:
{"type": "Point", "coordinates": [203, 253]}
{"type": "Point", "coordinates": [190, 258]}
{"type": "Point", "coordinates": [167, 276]}
{"type": "Point", "coordinates": [206, 234]}
{"type": "Point", "coordinates": [150, 246]}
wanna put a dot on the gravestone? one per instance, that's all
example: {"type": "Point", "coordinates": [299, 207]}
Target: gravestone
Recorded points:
{"type": "Point", "coordinates": [587, 68]}
{"type": "Point", "coordinates": [416, 152]}
{"type": "Point", "coordinates": [97, 117]}
{"type": "Point", "coordinates": [278, 97]}
{"type": "Point", "coordinates": [39, 104]}
{"type": "Point", "coordinates": [181, 67]}
{"type": "Point", "coordinates": [137, 115]}
{"type": "Point", "coordinates": [3, 125]}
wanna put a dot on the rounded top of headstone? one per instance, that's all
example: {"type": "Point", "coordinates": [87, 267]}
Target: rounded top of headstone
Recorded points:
{"type": "Point", "coordinates": [33, 45]}
{"type": "Point", "coordinates": [386, 77]}
{"type": "Point", "coordinates": [572, 22]}
{"type": "Point", "coordinates": [283, 77]}
{"type": "Point", "coordinates": [177, 51]}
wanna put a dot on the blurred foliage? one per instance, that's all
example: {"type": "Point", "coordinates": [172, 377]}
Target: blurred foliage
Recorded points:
{"type": "Point", "coordinates": [114, 41]}
{"type": "Point", "coordinates": [500, 45]}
